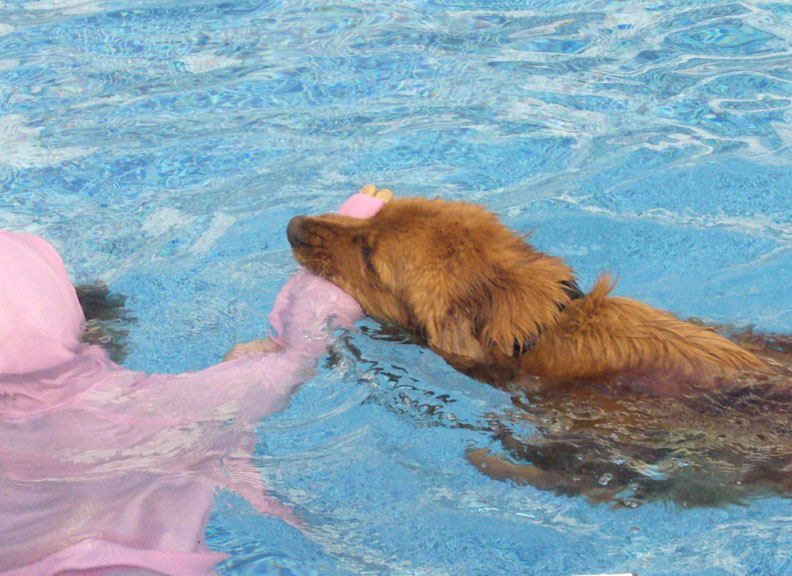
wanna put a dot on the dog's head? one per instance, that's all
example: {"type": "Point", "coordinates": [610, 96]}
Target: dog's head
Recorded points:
{"type": "Point", "coordinates": [449, 271]}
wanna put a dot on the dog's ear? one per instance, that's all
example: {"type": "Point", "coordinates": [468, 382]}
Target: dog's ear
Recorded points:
{"type": "Point", "coordinates": [454, 334]}
{"type": "Point", "coordinates": [512, 306]}
{"type": "Point", "coordinates": [512, 319]}
{"type": "Point", "coordinates": [497, 311]}
{"type": "Point", "coordinates": [500, 321]}
{"type": "Point", "coordinates": [519, 309]}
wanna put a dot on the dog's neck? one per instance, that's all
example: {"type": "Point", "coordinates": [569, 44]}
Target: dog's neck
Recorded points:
{"type": "Point", "coordinates": [573, 291]}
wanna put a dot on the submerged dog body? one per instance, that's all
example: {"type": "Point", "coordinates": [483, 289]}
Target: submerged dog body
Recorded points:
{"type": "Point", "coordinates": [496, 308]}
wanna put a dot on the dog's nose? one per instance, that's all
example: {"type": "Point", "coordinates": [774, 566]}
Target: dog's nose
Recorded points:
{"type": "Point", "coordinates": [294, 230]}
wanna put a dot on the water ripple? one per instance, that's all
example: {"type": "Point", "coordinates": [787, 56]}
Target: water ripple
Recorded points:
{"type": "Point", "coordinates": [730, 37]}
{"type": "Point", "coordinates": [162, 145]}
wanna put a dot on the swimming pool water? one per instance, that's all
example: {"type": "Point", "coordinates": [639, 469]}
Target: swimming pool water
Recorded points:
{"type": "Point", "coordinates": [163, 146]}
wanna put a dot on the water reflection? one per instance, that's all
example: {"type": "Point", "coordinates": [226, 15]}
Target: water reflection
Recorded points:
{"type": "Point", "coordinates": [612, 444]}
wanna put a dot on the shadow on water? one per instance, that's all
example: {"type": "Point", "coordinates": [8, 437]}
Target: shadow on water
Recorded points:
{"type": "Point", "coordinates": [612, 444]}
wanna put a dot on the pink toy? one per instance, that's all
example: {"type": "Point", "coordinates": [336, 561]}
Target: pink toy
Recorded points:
{"type": "Point", "coordinates": [104, 470]}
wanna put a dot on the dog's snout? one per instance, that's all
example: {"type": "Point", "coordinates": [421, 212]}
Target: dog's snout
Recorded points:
{"type": "Point", "coordinates": [295, 232]}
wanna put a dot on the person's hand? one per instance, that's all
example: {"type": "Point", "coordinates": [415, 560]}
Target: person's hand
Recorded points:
{"type": "Point", "coordinates": [253, 348]}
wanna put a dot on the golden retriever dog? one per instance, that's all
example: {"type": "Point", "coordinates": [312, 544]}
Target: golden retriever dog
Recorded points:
{"type": "Point", "coordinates": [496, 308]}
{"type": "Point", "coordinates": [580, 364]}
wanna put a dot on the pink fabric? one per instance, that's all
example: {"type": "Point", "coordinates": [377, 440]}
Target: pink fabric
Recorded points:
{"type": "Point", "coordinates": [104, 470]}
{"type": "Point", "coordinates": [42, 322]}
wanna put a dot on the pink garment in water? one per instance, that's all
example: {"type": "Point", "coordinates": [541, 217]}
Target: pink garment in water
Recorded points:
{"type": "Point", "coordinates": [104, 470]}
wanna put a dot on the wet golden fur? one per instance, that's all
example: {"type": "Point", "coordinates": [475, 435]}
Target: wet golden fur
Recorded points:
{"type": "Point", "coordinates": [495, 307]}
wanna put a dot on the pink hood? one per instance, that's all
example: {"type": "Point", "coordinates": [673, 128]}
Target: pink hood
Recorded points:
{"type": "Point", "coordinates": [41, 320]}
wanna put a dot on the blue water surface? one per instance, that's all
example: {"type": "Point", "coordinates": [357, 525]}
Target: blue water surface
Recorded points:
{"type": "Point", "coordinates": [162, 146]}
